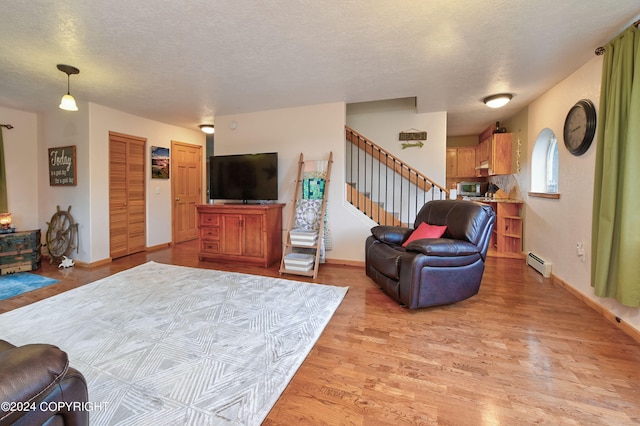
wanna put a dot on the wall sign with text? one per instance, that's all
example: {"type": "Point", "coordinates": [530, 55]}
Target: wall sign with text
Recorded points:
{"type": "Point", "coordinates": [62, 166]}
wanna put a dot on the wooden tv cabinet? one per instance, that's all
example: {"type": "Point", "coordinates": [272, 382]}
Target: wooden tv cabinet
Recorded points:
{"type": "Point", "coordinates": [250, 233]}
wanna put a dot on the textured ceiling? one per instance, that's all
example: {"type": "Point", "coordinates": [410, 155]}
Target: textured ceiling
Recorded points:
{"type": "Point", "coordinates": [184, 62]}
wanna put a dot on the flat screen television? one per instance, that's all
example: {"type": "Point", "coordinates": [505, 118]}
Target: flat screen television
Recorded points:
{"type": "Point", "coordinates": [245, 177]}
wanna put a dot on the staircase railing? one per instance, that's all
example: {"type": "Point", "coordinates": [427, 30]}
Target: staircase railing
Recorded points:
{"type": "Point", "coordinates": [382, 186]}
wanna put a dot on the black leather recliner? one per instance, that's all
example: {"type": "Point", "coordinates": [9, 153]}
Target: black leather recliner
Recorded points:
{"type": "Point", "coordinates": [433, 271]}
{"type": "Point", "coordinates": [36, 382]}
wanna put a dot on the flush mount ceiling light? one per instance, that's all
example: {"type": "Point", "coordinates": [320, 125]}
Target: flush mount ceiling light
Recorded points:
{"type": "Point", "coordinates": [497, 101]}
{"type": "Point", "coordinates": [68, 103]}
{"type": "Point", "coordinates": [207, 128]}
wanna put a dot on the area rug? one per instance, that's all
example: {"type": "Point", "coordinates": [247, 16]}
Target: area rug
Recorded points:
{"type": "Point", "coordinates": [167, 345]}
{"type": "Point", "coordinates": [21, 282]}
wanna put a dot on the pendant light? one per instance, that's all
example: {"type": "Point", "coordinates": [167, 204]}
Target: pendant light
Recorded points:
{"type": "Point", "coordinates": [68, 103]}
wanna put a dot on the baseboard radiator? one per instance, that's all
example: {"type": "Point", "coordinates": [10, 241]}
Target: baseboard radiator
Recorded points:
{"type": "Point", "coordinates": [539, 264]}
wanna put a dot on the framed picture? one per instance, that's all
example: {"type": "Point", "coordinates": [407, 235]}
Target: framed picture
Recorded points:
{"type": "Point", "coordinates": [159, 162]}
{"type": "Point", "coordinates": [62, 166]}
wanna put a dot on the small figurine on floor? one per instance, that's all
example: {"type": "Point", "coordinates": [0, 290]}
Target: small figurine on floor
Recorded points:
{"type": "Point", "coordinates": [66, 262]}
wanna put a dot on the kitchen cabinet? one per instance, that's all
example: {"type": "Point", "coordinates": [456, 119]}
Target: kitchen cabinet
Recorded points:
{"type": "Point", "coordinates": [482, 151]}
{"type": "Point", "coordinates": [494, 155]}
{"type": "Point", "coordinates": [452, 162]}
{"type": "Point", "coordinates": [461, 162]}
{"type": "Point", "coordinates": [506, 239]}
{"type": "Point", "coordinates": [240, 232]}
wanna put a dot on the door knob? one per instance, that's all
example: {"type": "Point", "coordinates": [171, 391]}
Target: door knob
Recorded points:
{"type": "Point", "coordinates": [177, 198]}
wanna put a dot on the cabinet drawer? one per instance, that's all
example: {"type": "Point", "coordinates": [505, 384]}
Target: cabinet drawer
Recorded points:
{"type": "Point", "coordinates": [17, 267]}
{"type": "Point", "coordinates": [209, 219]}
{"type": "Point", "coordinates": [24, 257]}
{"type": "Point", "coordinates": [17, 243]}
{"type": "Point", "coordinates": [209, 246]}
{"type": "Point", "coordinates": [210, 233]}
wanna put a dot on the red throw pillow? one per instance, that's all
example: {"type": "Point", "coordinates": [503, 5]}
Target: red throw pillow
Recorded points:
{"type": "Point", "coordinates": [425, 230]}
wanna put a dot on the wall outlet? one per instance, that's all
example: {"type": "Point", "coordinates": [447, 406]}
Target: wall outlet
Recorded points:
{"type": "Point", "coordinates": [580, 250]}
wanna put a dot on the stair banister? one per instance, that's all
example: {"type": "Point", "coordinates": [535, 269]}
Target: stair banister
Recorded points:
{"type": "Point", "coordinates": [360, 192]}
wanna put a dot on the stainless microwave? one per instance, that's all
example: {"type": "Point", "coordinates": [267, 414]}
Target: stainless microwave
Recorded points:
{"type": "Point", "coordinates": [472, 189]}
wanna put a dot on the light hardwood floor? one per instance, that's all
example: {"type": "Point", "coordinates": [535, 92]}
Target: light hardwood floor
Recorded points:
{"type": "Point", "coordinates": [522, 351]}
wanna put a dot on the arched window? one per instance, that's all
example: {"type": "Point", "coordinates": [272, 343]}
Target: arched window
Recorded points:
{"type": "Point", "coordinates": [552, 166]}
{"type": "Point", "coordinates": [544, 163]}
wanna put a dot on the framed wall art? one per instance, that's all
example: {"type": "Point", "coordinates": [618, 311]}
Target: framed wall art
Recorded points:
{"type": "Point", "coordinates": [159, 162]}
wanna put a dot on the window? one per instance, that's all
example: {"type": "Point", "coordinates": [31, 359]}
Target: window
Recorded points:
{"type": "Point", "coordinates": [552, 166]}
{"type": "Point", "coordinates": [544, 164]}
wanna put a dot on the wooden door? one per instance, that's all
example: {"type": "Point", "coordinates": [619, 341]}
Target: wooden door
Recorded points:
{"type": "Point", "coordinates": [127, 195]}
{"type": "Point", "coordinates": [186, 170]}
{"type": "Point", "coordinates": [252, 235]}
{"type": "Point", "coordinates": [231, 234]}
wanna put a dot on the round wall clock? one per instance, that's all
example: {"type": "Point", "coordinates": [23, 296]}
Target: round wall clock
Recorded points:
{"type": "Point", "coordinates": [580, 127]}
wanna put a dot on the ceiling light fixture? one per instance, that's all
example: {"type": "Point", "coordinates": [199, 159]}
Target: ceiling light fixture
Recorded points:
{"type": "Point", "coordinates": [207, 128]}
{"type": "Point", "coordinates": [497, 101]}
{"type": "Point", "coordinates": [68, 103]}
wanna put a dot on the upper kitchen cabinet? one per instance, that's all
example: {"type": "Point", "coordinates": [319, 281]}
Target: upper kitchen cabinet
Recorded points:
{"type": "Point", "coordinates": [461, 162]}
{"type": "Point", "coordinates": [493, 154]}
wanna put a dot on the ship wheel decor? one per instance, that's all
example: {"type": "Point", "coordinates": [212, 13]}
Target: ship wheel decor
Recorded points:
{"type": "Point", "coordinates": [62, 235]}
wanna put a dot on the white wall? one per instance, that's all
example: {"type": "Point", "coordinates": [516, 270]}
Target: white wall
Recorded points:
{"type": "Point", "coordinates": [58, 128]}
{"type": "Point", "coordinates": [159, 202]}
{"type": "Point", "coordinates": [554, 227]}
{"type": "Point", "coordinates": [88, 129]}
{"type": "Point", "coordinates": [20, 150]}
{"type": "Point", "coordinates": [314, 131]}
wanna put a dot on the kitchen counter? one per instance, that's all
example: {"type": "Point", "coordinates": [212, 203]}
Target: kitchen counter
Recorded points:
{"type": "Point", "coordinates": [492, 200]}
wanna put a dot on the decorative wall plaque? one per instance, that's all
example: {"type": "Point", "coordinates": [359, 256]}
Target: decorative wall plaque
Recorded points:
{"type": "Point", "coordinates": [62, 166]}
{"type": "Point", "coordinates": [413, 136]}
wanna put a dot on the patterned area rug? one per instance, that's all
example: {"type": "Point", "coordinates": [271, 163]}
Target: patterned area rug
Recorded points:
{"type": "Point", "coordinates": [21, 282]}
{"type": "Point", "coordinates": [167, 345]}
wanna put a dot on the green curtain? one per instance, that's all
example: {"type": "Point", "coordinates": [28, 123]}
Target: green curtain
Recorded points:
{"type": "Point", "coordinates": [4, 207]}
{"type": "Point", "coordinates": [615, 268]}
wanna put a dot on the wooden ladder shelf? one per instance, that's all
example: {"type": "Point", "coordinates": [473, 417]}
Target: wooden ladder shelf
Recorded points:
{"type": "Point", "coordinates": [305, 247]}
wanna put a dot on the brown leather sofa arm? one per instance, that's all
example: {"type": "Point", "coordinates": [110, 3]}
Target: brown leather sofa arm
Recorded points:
{"type": "Point", "coordinates": [33, 379]}
{"type": "Point", "coordinates": [442, 247]}
{"type": "Point", "coordinates": [395, 235]}
{"type": "Point", "coordinates": [29, 371]}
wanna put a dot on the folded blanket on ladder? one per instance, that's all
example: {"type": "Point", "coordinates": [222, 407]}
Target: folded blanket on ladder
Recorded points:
{"type": "Point", "coordinates": [309, 207]}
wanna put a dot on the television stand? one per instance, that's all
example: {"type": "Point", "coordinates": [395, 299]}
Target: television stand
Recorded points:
{"type": "Point", "coordinates": [249, 233]}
